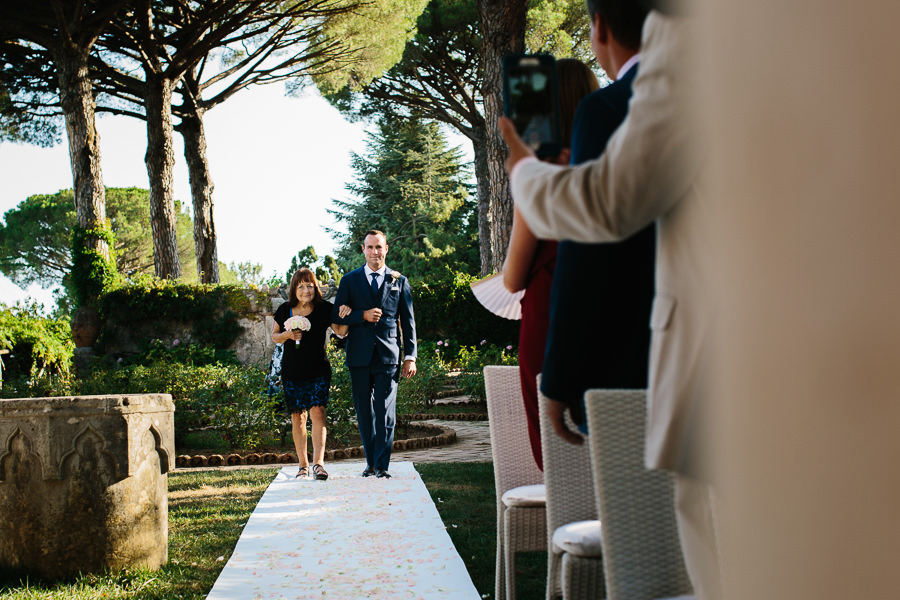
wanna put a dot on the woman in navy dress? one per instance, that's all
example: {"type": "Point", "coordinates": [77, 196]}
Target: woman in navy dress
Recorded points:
{"type": "Point", "coordinates": [305, 370]}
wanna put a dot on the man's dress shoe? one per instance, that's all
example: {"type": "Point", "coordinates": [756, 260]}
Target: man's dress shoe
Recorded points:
{"type": "Point", "coordinates": [382, 474]}
{"type": "Point", "coordinates": [368, 472]}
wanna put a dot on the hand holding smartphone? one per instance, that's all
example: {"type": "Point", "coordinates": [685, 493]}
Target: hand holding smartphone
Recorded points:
{"type": "Point", "coordinates": [531, 100]}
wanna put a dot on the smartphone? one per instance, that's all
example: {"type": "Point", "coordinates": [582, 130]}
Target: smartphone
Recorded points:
{"type": "Point", "coordinates": [531, 100]}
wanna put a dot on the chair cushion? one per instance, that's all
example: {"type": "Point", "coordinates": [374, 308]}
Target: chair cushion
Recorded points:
{"type": "Point", "coordinates": [581, 538]}
{"type": "Point", "coordinates": [525, 495]}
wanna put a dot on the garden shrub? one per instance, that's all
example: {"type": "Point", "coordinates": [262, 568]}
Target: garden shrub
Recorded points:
{"type": "Point", "coordinates": [471, 361]}
{"type": "Point", "coordinates": [449, 309]}
{"type": "Point", "coordinates": [249, 416]}
{"type": "Point", "coordinates": [229, 398]}
{"type": "Point", "coordinates": [341, 412]}
{"type": "Point", "coordinates": [211, 391]}
{"type": "Point", "coordinates": [432, 371]}
{"type": "Point", "coordinates": [38, 344]}
{"type": "Point", "coordinates": [42, 385]}
{"type": "Point", "coordinates": [184, 353]}
{"type": "Point", "coordinates": [92, 273]}
{"type": "Point", "coordinates": [146, 306]}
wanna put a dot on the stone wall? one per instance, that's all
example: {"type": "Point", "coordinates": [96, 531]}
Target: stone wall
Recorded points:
{"type": "Point", "coordinates": [253, 346]}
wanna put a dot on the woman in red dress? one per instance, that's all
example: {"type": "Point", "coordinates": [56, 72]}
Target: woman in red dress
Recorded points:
{"type": "Point", "coordinates": [530, 262]}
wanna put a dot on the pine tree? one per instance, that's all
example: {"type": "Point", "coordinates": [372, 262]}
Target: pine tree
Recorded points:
{"type": "Point", "coordinates": [413, 187]}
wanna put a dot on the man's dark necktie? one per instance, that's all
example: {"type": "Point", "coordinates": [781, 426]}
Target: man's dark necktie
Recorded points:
{"type": "Point", "coordinates": [375, 284]}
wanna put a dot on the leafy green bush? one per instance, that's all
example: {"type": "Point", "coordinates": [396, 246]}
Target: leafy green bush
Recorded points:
{"type": "Point", "coordinates": [38, 345]}
{"type": "Point", "coordinates": [210, 393]}
{"type": "Point", "coordinates": [92, 273]}
{"type": "Point", "coordinates": [230, 398]}
{"type": "Point", "coordinates": [140, 306]}
{"type": "Point", "coordinates": [341, 412]}
{"type": "Point", "coordinates": [249, 417]}
{"type": "Point", "coordinates": [471, 361]}
{"type": "Point", "coordinates": [448, 308]}
{"type": "Point", "coordinates": [432, 372]}
{"type": "Point", "coordinates": [177, 352]}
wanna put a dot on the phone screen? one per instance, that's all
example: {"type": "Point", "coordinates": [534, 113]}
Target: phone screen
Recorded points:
{"type": "Point", "coordinates": [530, 100]}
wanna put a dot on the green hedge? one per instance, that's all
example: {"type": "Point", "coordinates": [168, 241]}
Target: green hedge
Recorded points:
{"type": "Point", "coordinates": [449, 309]}
{"type": "Point", "coordinates": [211, 309]}
{"type": "Point", "coordinates": [444, 309]}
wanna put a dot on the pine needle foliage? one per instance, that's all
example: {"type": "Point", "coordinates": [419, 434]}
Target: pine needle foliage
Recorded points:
{"type": "Point", "coordinates": [414, 187]}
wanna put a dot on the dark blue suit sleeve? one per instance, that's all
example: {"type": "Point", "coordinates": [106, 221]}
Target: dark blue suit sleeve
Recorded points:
{"type": "Point", "coordinates": [407, 321]}
{"type": "Point", "coordinates": [342, 297]}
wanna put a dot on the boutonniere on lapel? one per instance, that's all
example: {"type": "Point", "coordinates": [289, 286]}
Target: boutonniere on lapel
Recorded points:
{"type": "Point", "coordinates": [395, 276]}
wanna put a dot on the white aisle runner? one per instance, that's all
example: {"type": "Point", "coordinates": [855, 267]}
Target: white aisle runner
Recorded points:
{"type": "Point", "coordinates": [347, 538]}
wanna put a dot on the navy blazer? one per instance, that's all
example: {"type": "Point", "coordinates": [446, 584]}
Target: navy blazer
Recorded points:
{"type": "Point", "coordinates": [602, 294]}
{"type": "Point", "coordinates": [397, 319]}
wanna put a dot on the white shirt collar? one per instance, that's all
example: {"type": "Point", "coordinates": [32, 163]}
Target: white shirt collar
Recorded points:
{"type": "Point", "coordinates": [627, 66]}
{"type": "Point", "coordinates": [379, 271]}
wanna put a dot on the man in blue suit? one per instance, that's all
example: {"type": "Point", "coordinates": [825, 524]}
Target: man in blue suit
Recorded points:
{"type": "Point", "coordinates": [613, 282]}
{"type": "Point", "coordinates": [376, 302]}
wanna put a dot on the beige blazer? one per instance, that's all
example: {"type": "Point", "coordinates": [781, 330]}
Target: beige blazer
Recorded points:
{"type": "Point", "coordinates": [650, 172]}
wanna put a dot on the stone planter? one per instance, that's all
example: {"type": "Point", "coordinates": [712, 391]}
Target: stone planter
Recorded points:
{"type": "Point", "coordinates": [85, 326]}
{"type": "Point", "coordinates": [83, 485]}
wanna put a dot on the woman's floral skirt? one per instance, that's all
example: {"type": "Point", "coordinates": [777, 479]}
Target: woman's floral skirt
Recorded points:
{"type": "Point", "coordinates": [301, 395]}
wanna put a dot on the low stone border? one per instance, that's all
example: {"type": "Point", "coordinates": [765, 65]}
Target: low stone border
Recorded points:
{"type": "Point", "coordinates": [441, 436]}
{"type": "Point", "coordinates": [467, 402]}
{"type": "Point", "coordinates": [449, 417]}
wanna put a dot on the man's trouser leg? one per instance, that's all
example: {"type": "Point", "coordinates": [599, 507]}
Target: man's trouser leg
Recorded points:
{"type": "Point", "coordinates": [361, 386]}
{"type": "Point", "coordinates": [384, 409]}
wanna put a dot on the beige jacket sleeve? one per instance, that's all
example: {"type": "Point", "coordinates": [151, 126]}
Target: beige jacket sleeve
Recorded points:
{"type": "Point", "coordinates": [650, 161]}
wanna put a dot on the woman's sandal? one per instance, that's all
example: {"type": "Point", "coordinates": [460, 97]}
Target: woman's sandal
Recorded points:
{"type": "Point", "coordinates": [320, 472]}
{"type": "Point", "coordinates": [303, 472]}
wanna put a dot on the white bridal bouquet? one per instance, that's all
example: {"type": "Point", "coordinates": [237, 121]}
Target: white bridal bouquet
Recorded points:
{"type": "Point", "coordinates": [297, 323]}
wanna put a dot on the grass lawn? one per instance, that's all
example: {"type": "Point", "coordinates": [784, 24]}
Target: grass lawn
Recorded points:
{"type": "Point", "coordinates": [464, 496]}
{"type": "Point", "coordinates": [208, 510]}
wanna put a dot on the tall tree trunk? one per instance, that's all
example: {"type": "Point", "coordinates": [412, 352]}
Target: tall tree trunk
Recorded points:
{"type": "Point", "coordinates": [77, 103]}
{"type": "Point", "coordinates": [483, 191]}
{"type": "Point", "coordinates": [160, 159]}
{"type": "Point", "coordinates": [503, 32]}
{"type": "Point", "coordinates": [191, 129]}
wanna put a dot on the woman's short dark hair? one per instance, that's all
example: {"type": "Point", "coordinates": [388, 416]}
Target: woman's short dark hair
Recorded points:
{"type": "Point", "coordinates": [303, 275]}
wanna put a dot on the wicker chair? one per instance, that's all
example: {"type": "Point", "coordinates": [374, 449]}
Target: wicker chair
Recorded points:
{"type": "Point", "coordinates": [641, 548]}
{"type": "Point", "coordinates": [574, 558]}
{"type": "Point", "coordinates": [521, 512]}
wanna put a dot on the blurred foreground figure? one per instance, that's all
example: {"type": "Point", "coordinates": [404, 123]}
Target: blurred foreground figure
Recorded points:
{"type": "Point", "coordinates": [803, 118]}
{"type": "Point", "coordinates": [653, 169]}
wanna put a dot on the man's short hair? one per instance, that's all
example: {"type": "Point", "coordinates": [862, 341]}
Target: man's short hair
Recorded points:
{"type": "Point", "coordinates": [373, 232]}
{"type": "Point", "coordinates": [625, 19]}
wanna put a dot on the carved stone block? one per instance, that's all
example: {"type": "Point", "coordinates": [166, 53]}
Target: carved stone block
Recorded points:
{"type": "Point", "coordinates": [83, 484]}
